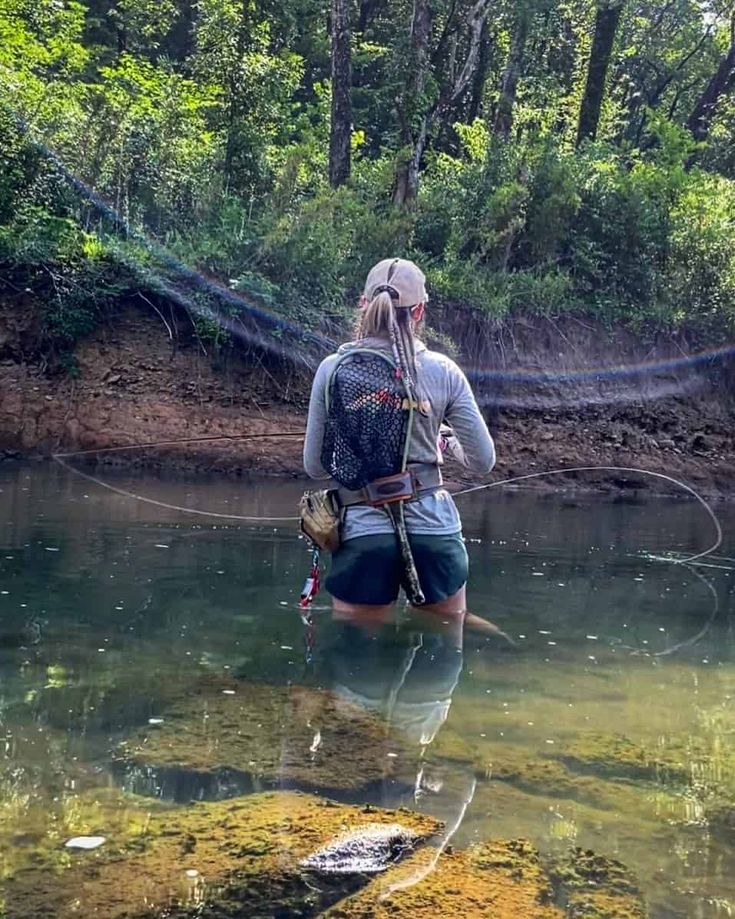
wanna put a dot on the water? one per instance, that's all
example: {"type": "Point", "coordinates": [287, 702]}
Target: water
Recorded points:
{"type": "Point", "coordinates": [127, 630]}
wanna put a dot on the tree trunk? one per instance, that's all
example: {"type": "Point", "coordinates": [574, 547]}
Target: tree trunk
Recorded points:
{"type": "Point", "coordinates": [340, 134]}
{"type": "Point", "coordinates": [478, 81]}
{"type": "Point", "coordinates": [407, 175]}
{"type": "Point", "coordinates": [606, 25]}
{"type": "Point", "coordinates": [509, 86]}
{"type": "Point", "coordinates": [414, 121]}
{"type": "Point", "coordinates": [234, 99]}
{"type": "Point", "coordinates": [369, 9]}
{"type": "Point", "coordinates": [722, 82]}
{"type": "Point", "coordinates": [417, 115]}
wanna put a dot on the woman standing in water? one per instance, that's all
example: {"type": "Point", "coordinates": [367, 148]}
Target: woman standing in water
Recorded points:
{"type": "Point", "coordinates": [383, 382]}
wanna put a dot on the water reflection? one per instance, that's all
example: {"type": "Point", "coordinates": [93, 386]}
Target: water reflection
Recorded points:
{"type": "Point", "coordinates": [403, 669]}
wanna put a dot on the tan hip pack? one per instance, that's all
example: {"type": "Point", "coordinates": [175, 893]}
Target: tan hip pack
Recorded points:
{"type": "Point", "coordinates": [319, 518]}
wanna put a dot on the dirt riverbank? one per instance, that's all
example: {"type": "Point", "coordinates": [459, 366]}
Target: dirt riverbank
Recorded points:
{"type": "Point", "coordinates": [134, 384]}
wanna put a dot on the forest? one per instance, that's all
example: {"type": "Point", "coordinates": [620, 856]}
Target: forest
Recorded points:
{"type": "Point", "coordinates": [535, 157]}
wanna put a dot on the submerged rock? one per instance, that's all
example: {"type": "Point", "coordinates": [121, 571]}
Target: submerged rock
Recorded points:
{"type": "Point", "coordinates": [28, 634]}
{"type": "Point", "coordinates": [591, 886]}
{"type": "Point", "coordinates": [616, 756]}
{"type": "Point", "coordinates": [721, 820]}
{"type": "Point", "coordinates": [499, 879]}
{"type": "Point", "coordinates": [227, 737]}
{"type": "Point", "coordinates": [369, 850]}
{"type": "Point", "coordinates": [502, 880]}
{"type": "Point", "coordinates": [85, 842]}
{"type": "Point", "coordinates": [225, 859]}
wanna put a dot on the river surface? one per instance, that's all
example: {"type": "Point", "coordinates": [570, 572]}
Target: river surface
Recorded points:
{"type": "Point", "coordinates": [607, 724]}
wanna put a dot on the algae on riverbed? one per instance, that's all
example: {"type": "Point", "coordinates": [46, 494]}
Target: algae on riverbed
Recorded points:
{"type": "Point", "coordinates": [226, 856]}
{"type": "Point", "coordinates": [498, 879]}
{"type": "Point", "coordinates": [228, 735]}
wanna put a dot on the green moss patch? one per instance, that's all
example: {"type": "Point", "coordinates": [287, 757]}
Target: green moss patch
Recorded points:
{"type": "Point", "coordinates": [591, 886]}
{"type": "Point", "coordinates": [230, 737]}
{"type": "Point", "coordinates": [616, 756]}
{"type": "Point", "coordinates": [504, 880]}
{"type": "Point", "coordinates": [222, 859]}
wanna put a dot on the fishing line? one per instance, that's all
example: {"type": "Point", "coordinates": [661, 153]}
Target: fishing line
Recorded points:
{"type": "Point", "coordinates": [124, 493]}
{"type": "Point", "coordinates": [62, 457]}
{"type": "Point", "coordinates": [659, 475]}
{"type": "Point", "coordinates": [173, 443]}
{"type": "Point", "coordinates": [186, 276]}
{"type": "Point", "coordinates": [279, 326]}
{"type": "Point", "coordinates": [419, 874]}
{"type": "Point", "coordinates": [695, 638]}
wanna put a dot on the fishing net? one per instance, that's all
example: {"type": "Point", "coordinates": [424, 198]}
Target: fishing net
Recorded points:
{"type": "Point", "coordinates": [367, 420]}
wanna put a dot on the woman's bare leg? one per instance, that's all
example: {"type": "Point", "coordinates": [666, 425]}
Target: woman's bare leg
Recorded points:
{"type": "Point", "coordinates": [362, 613]}
{"type": "Point", "coordinates": [455, 607]}
{"type": "Point", "coordinates": [451, 606]}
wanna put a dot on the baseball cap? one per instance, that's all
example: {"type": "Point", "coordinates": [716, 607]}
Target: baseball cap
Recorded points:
{"type": "Point", "coordinates": [402, 279]}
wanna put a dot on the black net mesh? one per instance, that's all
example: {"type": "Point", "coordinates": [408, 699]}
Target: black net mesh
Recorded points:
{"type": "Point", "coordinates": [367, 421]}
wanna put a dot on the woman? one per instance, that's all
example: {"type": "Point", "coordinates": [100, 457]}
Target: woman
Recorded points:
{"type": "Point", "coordinates": [368, 568]}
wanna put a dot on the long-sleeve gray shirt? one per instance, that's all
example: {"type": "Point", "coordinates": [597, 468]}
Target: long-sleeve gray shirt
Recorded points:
{"type": "Point", "coordinates": [443, 385]}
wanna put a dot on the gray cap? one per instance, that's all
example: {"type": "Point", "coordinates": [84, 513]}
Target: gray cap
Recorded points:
{"type": "Point", "coordinates": [404, 281]}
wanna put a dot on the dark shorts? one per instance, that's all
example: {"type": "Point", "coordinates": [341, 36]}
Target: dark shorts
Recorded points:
{"type": "Point", "coordinates": [368, 569]}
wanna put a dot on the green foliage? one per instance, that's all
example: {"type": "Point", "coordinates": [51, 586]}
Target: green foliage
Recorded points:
{"type": "Point", "coordinates": [43, 247]}
{"type": "Point", "coordinates": [206, 125]}
{"type": "Point", "coordinates": [77, 277]}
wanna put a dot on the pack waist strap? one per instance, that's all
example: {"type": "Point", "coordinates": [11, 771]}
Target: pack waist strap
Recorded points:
{"type": "Point", "coordinates": [426, 478]}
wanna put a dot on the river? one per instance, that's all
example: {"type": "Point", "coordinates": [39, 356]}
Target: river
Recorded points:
{"type": "Point", "coordinates": [607, 723]}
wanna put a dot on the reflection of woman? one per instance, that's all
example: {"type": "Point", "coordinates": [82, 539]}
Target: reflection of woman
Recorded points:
{"type": "Point", "coordinates": [369, 566]}
{"type": "Point", "coordinates": [405, 674]}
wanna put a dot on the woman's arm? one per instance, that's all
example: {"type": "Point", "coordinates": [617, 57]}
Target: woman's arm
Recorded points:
{"type": "Point", "coordinates": [316, 421]}
{"type": "Point", "coordinates": [465, 419]}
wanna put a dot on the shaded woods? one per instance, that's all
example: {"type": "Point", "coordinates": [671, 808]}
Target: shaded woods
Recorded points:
{"type": "Point", "coordinates": [537, 157]}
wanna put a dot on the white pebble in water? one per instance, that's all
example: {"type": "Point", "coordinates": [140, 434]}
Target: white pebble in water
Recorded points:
{"type": "Point", "coordinates": [85, 842]}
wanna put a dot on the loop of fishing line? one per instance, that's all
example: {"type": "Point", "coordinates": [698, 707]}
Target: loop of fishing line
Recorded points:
{"type": "Point", "coordinates": [175, 443]}
{"type": "Point", "coordinates": [62, 457]}
{"type": "Point", "coordinates": [124, 493]}
{"type": "Point", "coordinates": [659, 475]}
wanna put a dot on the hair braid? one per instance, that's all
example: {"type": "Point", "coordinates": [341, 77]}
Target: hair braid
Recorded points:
{"type": "Point", "coordinates": [382, 317]}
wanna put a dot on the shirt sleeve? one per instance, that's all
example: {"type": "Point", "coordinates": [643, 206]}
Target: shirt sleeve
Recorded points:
{"type": "Point", "coordinates": [465, 419]}
{"type": "Point", "coordinates": [316, 421]}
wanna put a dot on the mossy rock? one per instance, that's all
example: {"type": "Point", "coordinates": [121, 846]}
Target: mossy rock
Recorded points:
{"type": "Point", "coordinates": [615, 756]}
{"type": "Point", "coordinates": [224, 859]}
{"type": "Point", "coordinates": [591, 886]}
{"type": "Point", "coordinates": [226, 738]}
{"type": "Point", "coordinates": [551, 778]}
{"type": "Point", "coordinates": [721, 820]}
{"type": "Point", "coordinates": [504, 880]}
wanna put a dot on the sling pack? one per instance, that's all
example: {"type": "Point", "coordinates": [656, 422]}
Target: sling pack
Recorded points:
{"type": "Point", "coordinates": [365, 448]}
